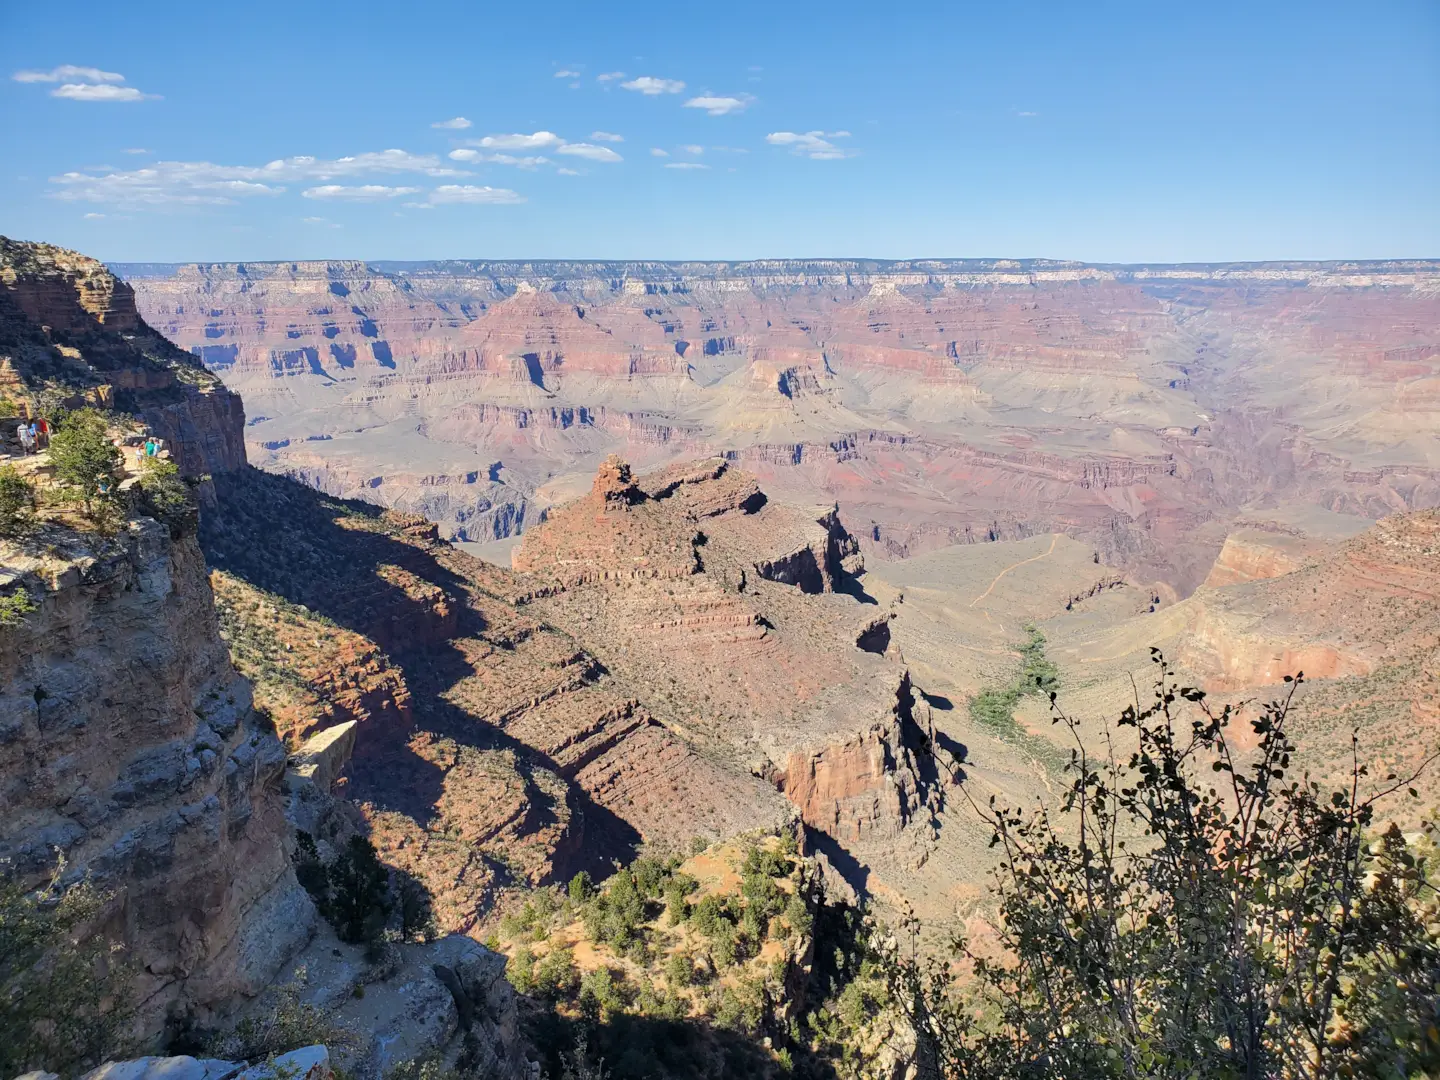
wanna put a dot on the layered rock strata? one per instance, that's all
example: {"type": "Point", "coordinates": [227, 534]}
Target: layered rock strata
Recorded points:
{"type": "Point", "coordinates": [131, 752]}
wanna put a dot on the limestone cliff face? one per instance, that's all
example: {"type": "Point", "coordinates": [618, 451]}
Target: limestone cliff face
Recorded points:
{"type": "Point", "coordinates": [128, 746]}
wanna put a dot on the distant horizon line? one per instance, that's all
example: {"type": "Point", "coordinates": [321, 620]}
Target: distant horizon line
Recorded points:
{"type": "Point", "coordinates": [979, 262]}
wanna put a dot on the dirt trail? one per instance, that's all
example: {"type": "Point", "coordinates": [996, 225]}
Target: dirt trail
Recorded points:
{"type": "Point", "coordinates": [1054, 539]}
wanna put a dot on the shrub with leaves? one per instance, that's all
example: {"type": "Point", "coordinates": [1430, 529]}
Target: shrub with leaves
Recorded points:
{"type": "Point", "coordinates": [84, 458]}
{"type": "Point", "coordinates": [1191, 910]}
{"type": "Point", "coordinates": [14, 607]}
{"type": "Point", "coordinates": [286, 1023]}
{"type": "Point", "coordinates": [61, 981]}
{"type": "Point", "coordinates": [166, 497]}
{"type": "Point", "coordinates": [17, 503]}
{"type": "Point", "coordinates": [352, 892]}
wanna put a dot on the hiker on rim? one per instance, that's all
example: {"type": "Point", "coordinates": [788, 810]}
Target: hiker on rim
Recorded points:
{"type": "Point", "coordinates": [27, 439]}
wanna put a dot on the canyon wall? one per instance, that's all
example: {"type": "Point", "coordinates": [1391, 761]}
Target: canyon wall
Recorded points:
{"type": "Point", "coordinates": [937, 402]}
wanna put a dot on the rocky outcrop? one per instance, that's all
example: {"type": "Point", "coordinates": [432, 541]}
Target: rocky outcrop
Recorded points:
{"type": "Point", "coordinates": [69, 326]}
{"type": "Point", "coordinates": [868, 786]}
{"type": "Point", "coordinates": [1253, 555]}
{"type": "Point", "coordinates": [307, 1063]}
{"type": "Point", "coordinates": [128, 746]}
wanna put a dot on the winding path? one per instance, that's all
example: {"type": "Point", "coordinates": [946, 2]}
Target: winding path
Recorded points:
{"type": "Point", "coordinates": [1054, 539]}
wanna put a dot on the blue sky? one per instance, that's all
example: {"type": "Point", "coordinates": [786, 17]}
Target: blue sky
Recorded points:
{"type": "Point", "coordinates": [1089, 130]}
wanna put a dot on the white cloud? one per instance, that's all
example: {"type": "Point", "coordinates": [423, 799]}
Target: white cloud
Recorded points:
{"type": "Point", "coordinates": [567, 74]}
{"type": "Point", "coordinates": [649, 85]}
{"type": "Point", "coordinates": [812, 144]}
{"type": "Point", "coordinates": [93, 217]}
{"type": "Point", "coordinates": [357, 193]}
{"type": "Point", "coordinates": [719, 106]}
{"type": "Point", "coordinates": [610, 76]}
{"type": "Point", "coordinates": [101, 92]}
{"type": "Point", "coordinates": [536, 141]}
{"type": "Point", "coordinates": [693, 148]}
{"type": "Point", "coordinates": [1029, 114]}
{"type": "Point", "coordinates": [469, 193]}
{"type": "Point", "coordinates": [87, 84]}
{"type": "Point", "coordinates": [606, 136]}
{"type": "Point", "coordinates": [69, 71]}
{"type": "Point", "coordinates": [685, 165]}
{"type": "Point", "coordinates": [455, 123]}
{"type": "Point", "coordinates": [567, 172]}
{"type": "Point", "coordinates": [321, 221]}
{"type": "Point", "coordinates": [135, 150]}
{"type": "Point", "coordinates": [528, 162]}
{"type": "Point", "coordinates": [385, 161]}
{"type": "Point", "coordinates": [589, 151]}
{"type": "Point", "coordinates": [655, 151]}
{"type": "Point", "coordinates": [206, 183]}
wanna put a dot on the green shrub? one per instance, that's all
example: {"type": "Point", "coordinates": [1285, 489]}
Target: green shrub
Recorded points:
{"type": "Point", "coordinates": [61, 983]}
{"type": "Point", "coordinates": [166, 497]}
{"type": "Point", "coordinates": [520, 970]}
{"type": "Point", "coordinates": [17, 503]}
{"type": "Point", "coordinates": [84, 457]}
{"type": "Point", "coordinates": [1262, 928]}
{"type": "Point", "coordinates": [677, 889]}
{"type": "Point", "coordinates": [581, 888]}
{"type": "Point", "coordinates": [680, 969]}
{"type": "Point", "coordinates": [353, 892]}
{"type": "Point", "coordinates": [556, 976]}
{"type": "Point", "coordinates": [286, 1024]}
{"type": "Point", "coordinates": [14, 608]}
{"type": "Point", "coordinates": [603, 994]}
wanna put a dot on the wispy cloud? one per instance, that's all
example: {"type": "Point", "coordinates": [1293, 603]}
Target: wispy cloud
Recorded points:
{"type": "Point", "coordinates": [685, 165]}
{"type": "Point", "coordinates": [720, 106]}
{"type": "Point", "coordinates": [325, 222]}
{"type": "Point", "coordinates": [99, 92]}
{"type": "Point", "coordinates": [589, 151]}
{"type": "Point", "coordinates": [535, 141]}
{"type": "Point", "coordinates": [649, 85]}
{"type": "Point", "coordinates": [527, 162]}
{"type": "Point", "coordinates": [69, 71]}
{"type": "Point", "coordinates": [135, 150]}
{"type": "Point", "coordinates": [92, 216]}
{"type": "Point", "coordinates": [469, 194]}
{"type": "Point", "coordinates": [812, 144]}
{"type": "Point", "coordinates": [566, 73]}
{"type": "Point", "coordinates": [655, 151]}
{"type": "Point", "coordinates": [455, 123]}
{"type": "Point", "coordinates": [693, 148]}
{"type": "Point", "coordinates": [90, 84]}
{"type": "Point", "coordinates": [357, 193]}
{"type": "Point", "coordinates": [609, 76]}
{"type": "Point", "coordinates": [567, 172]}
{"type": "Point", "coordinates": [199, 183]}
{"type": "Point", "coordinates": [1029, 114]}
{"type": "Point", "coordinates": [606, 136]}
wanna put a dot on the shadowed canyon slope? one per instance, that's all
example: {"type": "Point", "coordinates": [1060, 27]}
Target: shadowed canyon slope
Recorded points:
{"type": "Point", "coordinates": [1139, 408]}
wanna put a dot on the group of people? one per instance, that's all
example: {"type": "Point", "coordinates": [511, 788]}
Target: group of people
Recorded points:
{"type": "Point", "coordinates": [150, 448]}
{"type": "Point", "coordinates": [34, 436]}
